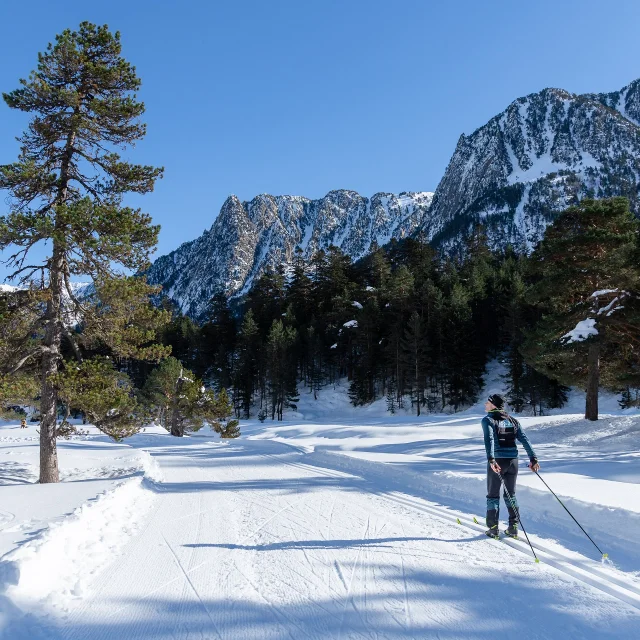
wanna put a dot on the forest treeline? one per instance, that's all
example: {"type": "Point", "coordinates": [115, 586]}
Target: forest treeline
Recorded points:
{"type": "Point", "coordinates": [418, 328]}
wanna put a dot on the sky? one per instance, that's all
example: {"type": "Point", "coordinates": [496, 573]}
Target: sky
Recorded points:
{"type": "Point", "coordinates": [302, 97]}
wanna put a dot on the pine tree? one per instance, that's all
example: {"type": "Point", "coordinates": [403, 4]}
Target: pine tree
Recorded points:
{"type": "Point", "coordinates": [413, 347]}
{"type": "Point", "coordinates": [247, 363]}
{"type": "Point", "coordinates": [217, 342]}
{"type": "Point", "coordinates": [181, 402]}
{"type": "Point", "coordinates": [587, 282]}
{"type": "Point", "coordinates": [67, 186]}
{"type": "Point", "coordinates": [281, 369]}
{"type": "Point", "coordinates": [391, 399]}
{"type": "Point", "coordinates": [102, 394]}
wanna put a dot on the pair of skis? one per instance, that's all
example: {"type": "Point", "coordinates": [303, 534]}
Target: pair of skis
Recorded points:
{"type": "Point", "coordinates": [515, 508]}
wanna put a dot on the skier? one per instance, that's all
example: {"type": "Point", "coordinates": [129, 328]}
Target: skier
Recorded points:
{"type": "Point", "coordinates": [500, 434]}
{"type": "Point", "coordinates": [23, 423]}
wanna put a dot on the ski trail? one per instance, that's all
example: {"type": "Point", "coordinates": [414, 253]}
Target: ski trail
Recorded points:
{"type": "Point", "coordinates": [605, 582]}
{"type": "Point", "coordinates": [244, 543]}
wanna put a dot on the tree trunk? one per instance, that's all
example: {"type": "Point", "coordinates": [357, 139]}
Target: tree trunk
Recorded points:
{"type": "Point", "coordinates": [49, 395]}
{"type": "Point", "coordinates": [593, 382]}
{"type": "Point", "coordinates": [53, 333]}
{"type": "Point", "coordinates": [176, 424]}
{"type": "Point", "coordinates": [417, 375]}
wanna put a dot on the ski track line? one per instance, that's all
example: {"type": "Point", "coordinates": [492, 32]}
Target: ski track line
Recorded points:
{"type": "Point", "coordinates": [278, 615]}
{"type": "Point", "coordinates": [444, 512]}
{"type": "Point", "coordinates": [353, 573]}
{"type": "Point", "coordinates": [612, 585]}
{"type": "Point", "coordinates": [407, 609]}
{"type": "Point", "coordinates": [195, 591]}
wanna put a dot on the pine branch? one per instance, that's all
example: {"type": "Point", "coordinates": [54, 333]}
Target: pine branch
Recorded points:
{"type": "Point", "coordinates": [37, 351]}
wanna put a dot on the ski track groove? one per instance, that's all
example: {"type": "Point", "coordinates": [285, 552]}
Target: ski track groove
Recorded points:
{"type": "Point", "coordinates": [611, 583]}
{"type": "Point", "coordinates": [195, 591]}
{"type": "Point", "coordinates": [554, 560]}
{"type": "Point", "coordinates": [407, 609]}
{"type": "Point", "coordinates": [278, 615]}
{"type": "Point", "coordinates": [348, 596]}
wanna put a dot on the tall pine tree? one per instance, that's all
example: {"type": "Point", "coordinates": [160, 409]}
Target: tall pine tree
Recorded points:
{"type": "Point", "coordinates": [67, 187]}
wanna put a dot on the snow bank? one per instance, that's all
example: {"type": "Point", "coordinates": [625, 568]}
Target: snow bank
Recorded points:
{"type": "Point", "coordinates": [54, 568]}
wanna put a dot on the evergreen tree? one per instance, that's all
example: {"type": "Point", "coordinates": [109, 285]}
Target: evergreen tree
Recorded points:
{"type": "Point", "coordinates": [587, 280]}
{"type": "Point", "coordinates": [105, 396]}
{"type": "Point", "coordinates": [217, 343]}
{"type": "Point", "coordinates": [366, 355]}
{"type": "Point", "coordinates": [67, 186]}
{"type": "Point", "coordinates": [413, 347]}
{"type": "Point", "coordinates": [281, 369]}
{"type": "Point", "coordinates": [463, 374]}
{"type": "Point", "coordinates": [18, 390]}
{"type": "Point", "coordinates": [247, 364]}
{"type": "Point", "coordinates": [181, 403]}
{"type": "Point", "coordinates": [401, 289]}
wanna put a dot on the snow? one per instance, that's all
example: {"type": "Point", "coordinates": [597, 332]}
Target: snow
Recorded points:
{"type": "Point", "coordinates": [351, 324]}
{"type": "Point", "coordinates": [338, 522]}
{"type": "Point", "coordinates": [583, 330]}
{"type": "Point", "coordinates": [603, 292]}
{"type": "Point", "coordinates": [356, 304]}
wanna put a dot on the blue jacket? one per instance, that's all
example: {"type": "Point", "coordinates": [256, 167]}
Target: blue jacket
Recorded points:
{"type": "Point", "coordinates": [500, 435]}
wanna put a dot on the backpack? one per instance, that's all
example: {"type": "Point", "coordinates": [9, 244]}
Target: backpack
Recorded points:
{"type": "Point", "coordinates": [505, 431]}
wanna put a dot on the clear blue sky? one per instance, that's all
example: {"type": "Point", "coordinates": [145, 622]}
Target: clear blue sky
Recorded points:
{"type": "Point", "coordinates": [301, 97]}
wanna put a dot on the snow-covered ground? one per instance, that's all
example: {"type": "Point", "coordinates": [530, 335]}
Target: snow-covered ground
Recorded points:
{"type": "Point", "coordinates": [336, 523]}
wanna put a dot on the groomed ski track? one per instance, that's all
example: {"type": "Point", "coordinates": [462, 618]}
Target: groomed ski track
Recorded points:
{"type": "Point", "coordinates": [254, 540]}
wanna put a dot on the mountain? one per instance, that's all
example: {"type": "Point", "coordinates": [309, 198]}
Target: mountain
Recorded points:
{"type": "Point", "coordinates": [543, 153]}
{"type": "Point", "coordinates": [248, 237]}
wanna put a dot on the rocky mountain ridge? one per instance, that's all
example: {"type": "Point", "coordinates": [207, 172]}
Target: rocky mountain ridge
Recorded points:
{"type": "Point", "coordinates": [544, 152]}
{"type": "Point", "coordinates": [248, 237]}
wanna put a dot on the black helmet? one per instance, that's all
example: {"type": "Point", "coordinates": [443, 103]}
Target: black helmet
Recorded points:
{"type": "Point", "coordinates": [496, 400]}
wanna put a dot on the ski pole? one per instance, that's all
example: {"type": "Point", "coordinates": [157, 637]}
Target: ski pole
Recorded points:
{"type": "Point", "coordinates": [604, 555]}
{"type": "Point", "coordinates": [517, 511]}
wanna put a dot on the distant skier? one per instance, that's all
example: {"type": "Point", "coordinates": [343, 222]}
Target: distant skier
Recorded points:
{"type": "Point", "coordinates": [23, 423]}
{"type": "Point", "coordinates": [500, 434]}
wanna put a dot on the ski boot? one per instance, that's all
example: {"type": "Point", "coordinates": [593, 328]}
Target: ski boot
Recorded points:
{"type": "Point", "coordinates": [512, 531]}
{"type": "Point", "coordinates": [492, 532]}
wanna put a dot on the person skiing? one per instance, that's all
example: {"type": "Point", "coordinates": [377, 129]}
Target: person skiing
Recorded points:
{"type": "Point", "coordinates": [501, 431]}
{"type": "Point", "coordinates": [23, 423]}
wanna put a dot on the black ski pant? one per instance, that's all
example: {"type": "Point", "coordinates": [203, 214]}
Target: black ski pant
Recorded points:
{"type": "Point", "coordinates": [509, 467]}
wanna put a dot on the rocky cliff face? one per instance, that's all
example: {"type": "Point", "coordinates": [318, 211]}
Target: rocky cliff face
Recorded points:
{"type": "Point", "coordinates": [248, 237]}
{"type": "Point", "coordinates": [543, 153]}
